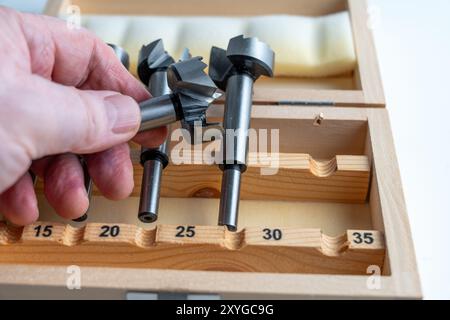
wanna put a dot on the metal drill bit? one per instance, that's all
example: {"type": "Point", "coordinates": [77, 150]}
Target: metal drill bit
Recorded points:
{"type": "Point", "coordinates": [122, 55]}
{"type": "Point", "coordinates": [153, 58]}
{"type": "Point", "coordinates": [192, 93]}
{"type": "Point", "coordinates": [33, 177]}
{"type": "Point", "coordinates": [153, 63]}
{"type": "Point", "coordinates": [235, 71]}
{"type": "Point", "coordinates": [87, 186]}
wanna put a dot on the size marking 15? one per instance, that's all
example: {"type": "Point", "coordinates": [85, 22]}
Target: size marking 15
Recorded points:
{"type": "Point", "coordinates": [363, 237]}
{"type": "Point", "coordinates": [44, 231]}
{"type": "Point", "coordinates": [272, 234]}
{"type": "Point", "coordinates": [109, 231]}
{"type": "Point", "coordinates": [185, 232]}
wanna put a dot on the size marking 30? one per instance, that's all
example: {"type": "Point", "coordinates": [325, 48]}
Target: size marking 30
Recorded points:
{"type": "Point", "coordinates": [272, 234]}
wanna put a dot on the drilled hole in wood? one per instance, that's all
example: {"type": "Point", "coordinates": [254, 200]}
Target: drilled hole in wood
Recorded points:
{"type": "Point", "coordinates": [318, 120]}
{"type": "Point", "coordinates": [206, 193]}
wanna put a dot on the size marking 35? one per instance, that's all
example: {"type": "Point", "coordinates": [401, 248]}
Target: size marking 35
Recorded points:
{"type": "Point", "coordinates": [363, 237]}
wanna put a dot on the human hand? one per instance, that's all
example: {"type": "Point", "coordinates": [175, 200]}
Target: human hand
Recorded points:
{"type": "Point", "coordinates": [63, 92]}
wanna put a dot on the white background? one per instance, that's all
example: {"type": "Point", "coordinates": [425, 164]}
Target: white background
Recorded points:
{"type": "Point", "coordinates": [413, 42]}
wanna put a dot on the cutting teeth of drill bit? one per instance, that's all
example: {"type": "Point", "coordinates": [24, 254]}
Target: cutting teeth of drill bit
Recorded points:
{"type": "Point", "coordinates": [219, 67]}
{"type": "Point", "coordinates": [189, 120]}
{"type": "Point", "coordinates": [152, 57]}
{"type": "Point", "coordinates": [189, 78]}
{"type": "Point", "coordinates": [194, 88]}
{"type": "Point", "coordinates": [258, 56]}
{"type": "Point", "coordinates": [262, 56]}
{"type": "Point", "coordinates": [185, 55]}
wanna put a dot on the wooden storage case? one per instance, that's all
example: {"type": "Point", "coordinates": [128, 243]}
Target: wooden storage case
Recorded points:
{"type": "Point", "coordinates": [324, 226]}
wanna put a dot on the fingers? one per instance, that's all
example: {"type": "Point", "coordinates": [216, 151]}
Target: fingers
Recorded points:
{"type": "Point", "coordinates": [76, 57]}
{"type": "Point", "coordinates": [57, 119]}
{"type": "Point", "coordinates": [64, 186]}
{"type": "Point", "coordinates": [112, 172]}
{"type": "Point", "coordinates": [152, 138]}
{"type": "Point", "coordinates": [18, 204]}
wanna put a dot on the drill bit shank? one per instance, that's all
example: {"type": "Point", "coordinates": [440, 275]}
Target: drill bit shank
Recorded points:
{"type": "Point", "coordinates": [237, 114]}
{"type": "Point", "coordinates": [158, 112]}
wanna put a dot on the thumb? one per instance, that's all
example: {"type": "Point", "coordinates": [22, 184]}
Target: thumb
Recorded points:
{"type": "Point", "coordinates": [66, 119]}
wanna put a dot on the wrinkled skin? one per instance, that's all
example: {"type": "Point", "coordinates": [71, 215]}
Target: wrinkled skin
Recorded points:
{"type": "Point", "coordinates": [63, 92]}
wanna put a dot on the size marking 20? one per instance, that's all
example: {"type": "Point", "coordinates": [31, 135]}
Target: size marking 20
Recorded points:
{"type": "Point", "coordinates": [185, 232]}
{"type": "Point", "coordinates": [44, 231]}
{"type": "Point", "coordinates": [363, 237]}
{"type": "Point", "coordinates": [272, 234]}
{"type": "Point", "coordinates": [109, 231]}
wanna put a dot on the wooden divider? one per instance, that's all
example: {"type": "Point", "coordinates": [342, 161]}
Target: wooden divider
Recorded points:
{"type": "Point", "coordinates": [343, 179]}
{"type": "Point", "coordinates": [184, 247]}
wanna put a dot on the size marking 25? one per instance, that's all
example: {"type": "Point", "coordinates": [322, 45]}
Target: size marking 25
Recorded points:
{"type": "Point", "coordinates": [363, 237]}
{"type": "Point", "coordinates": [109, 231]}
{"type": "Point", "coordinates": [44, 231]}
{"type": "Point", "coordinates": [185, 232]}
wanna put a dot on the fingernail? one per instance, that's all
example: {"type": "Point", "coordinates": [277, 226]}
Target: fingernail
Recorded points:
{"type": "Point", "coordinates": [123, 113]}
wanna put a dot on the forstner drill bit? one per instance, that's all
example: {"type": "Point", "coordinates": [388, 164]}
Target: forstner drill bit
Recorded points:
{"type": "Point", "coordinates": [122, 55]}
{"type": "Point", "coordinates": [153, 63]}
{"type": "Point", "coordinates": [192, 93]}
{"type": "Point", "coordinates": [235, 70]}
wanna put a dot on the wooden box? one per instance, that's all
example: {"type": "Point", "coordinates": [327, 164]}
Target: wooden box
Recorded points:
{"type": "Point", "coordinates": [331, 223]}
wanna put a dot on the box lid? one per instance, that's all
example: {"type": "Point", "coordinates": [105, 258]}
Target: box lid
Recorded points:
{"type": "Point", "coordinates": [358, 88]}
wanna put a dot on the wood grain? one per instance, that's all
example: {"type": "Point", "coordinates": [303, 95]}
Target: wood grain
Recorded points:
{"type": "Point", "coordinates": [184, 247]}
{"type": "Point", "coordinates": [386, 205]}
{"type": "Point", "coordinates": [343, 179]}
{"type": "Point", "coordinates": [299, 177]}
{"type": "Point", "coordinates": [213, 7]}
{"type": "Point", "coordinates": [368, 70]}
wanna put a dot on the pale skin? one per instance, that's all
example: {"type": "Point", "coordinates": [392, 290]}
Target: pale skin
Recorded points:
{"type": "Point", "coordinates": [63, 93]}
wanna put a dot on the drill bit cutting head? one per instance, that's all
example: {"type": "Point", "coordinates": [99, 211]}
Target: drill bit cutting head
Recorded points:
{"type": "Point", "coordinates": [243, 55]}
{"type": "Point", "coordinates": [188, 77]}
{"type": "Point", "coordinates": [192, 93]}
{"type": "Point", "coordinates": [193, 87]}
{"type": "Point", "coordinates": [185, 55]}
{"type": "Point", "coordinates": [152, 57]}
{"type": "Point", "coordinates": [251, 55]}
